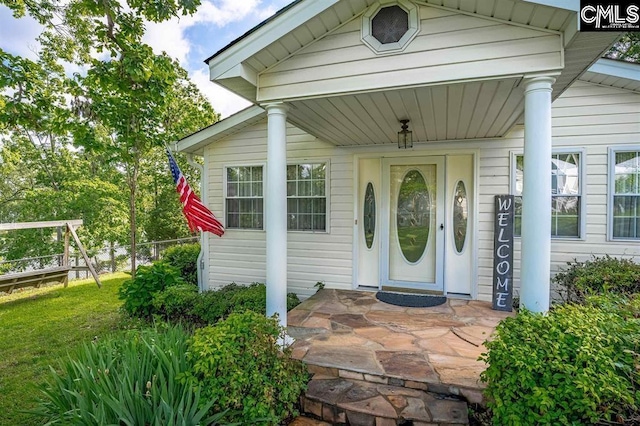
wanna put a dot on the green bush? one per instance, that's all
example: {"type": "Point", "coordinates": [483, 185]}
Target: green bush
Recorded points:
{"type": "Point", "coordinates": [128, 379]}
{"type": "Point", "coordinates": [179, 304]}
{"type": "Point", "coordinates": [597, 276]}
{"type": "Point", "coordinates": [175, 303]}
{"type": "Point", "coordinates": [575, 365]}
{"type": "Point", "coordinates": [138, 293]}
{"type": "Point", "coordinates": [185, 258]}
{"type": "Point", "coordinates": [239, 364]}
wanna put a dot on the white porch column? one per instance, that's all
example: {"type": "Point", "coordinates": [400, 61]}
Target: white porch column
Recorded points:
{"type": "Point", "coordinates": [276, 211]}
{"type": "Point", "coordinates": [536, 196]}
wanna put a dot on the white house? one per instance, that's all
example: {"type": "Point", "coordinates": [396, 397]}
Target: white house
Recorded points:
{"type": "Point", "coordinates": [314, 182]}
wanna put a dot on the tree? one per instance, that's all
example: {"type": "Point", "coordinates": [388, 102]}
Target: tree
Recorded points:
{"type": "Point", "coordinates": [131, 102]}
{"type": "Point", "coordinates": [626, 49]}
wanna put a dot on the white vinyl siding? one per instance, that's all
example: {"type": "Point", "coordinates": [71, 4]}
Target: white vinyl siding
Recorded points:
{"type": "Point", "coordinates": [587, 116]}
{"type": "Point", "coordinates": [450, 46]}
{"type": "Point", "coordinates": [239, 256]}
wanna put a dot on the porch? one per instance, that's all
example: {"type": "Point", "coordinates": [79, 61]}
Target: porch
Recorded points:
{"type": "Point", "coordinates": [376, 363]}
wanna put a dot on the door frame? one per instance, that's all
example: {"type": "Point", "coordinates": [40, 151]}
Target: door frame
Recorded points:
{"type": "Point", "coordinates": [453, 148]}
{"type": "Point", "coordinates": [385, 222]}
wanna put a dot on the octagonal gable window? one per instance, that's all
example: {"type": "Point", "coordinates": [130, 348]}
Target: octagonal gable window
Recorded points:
{"type": "Point", "coordinates": [388, 26]}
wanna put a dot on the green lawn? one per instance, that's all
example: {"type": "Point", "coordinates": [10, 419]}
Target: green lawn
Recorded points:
{"type": "Point", "coordinates": [39, 326]}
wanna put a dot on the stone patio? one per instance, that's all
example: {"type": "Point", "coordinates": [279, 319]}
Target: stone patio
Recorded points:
{"type": "Point", "coordinates": [357, 345]}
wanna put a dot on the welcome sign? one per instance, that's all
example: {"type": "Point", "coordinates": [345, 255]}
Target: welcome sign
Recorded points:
{"type": "Point", "coordinates": [503, 253]}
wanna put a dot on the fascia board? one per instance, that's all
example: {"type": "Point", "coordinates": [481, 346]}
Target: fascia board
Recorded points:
{"type": "Point", "coordinates": [224, 127]}
{"type": "Point", "coordinates": [573, 5]}
{"type": "Point", "coordinates": [264, 36]}
{"type": "Point", "coordinates": [620, 69]}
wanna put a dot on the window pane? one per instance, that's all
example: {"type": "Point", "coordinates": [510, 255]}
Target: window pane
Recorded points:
{"type": "Point", "coordinates": [460, 216]}
{"type": "Point", "coordinates": [519, 174]}
{"type": "Point", "coordinates": [233, 206]}
{"type": "Point", "coordinates": [232, 189]}
{"type": "Point", "coordinates": [319, 171]}
{"type": "Point", "coordinates": [292, 172]}
{"type": "Point", "coordinates": [319, 222]}
{"type": "Point", "coordinates": [245, 190]}
{"type": "Point", "coordinates": [517, 216]}
{"type": "Point", "coordinates": [304, 221]}
{"type": "Point", "coordinates": [304, 171]}
{"type": "Point", "coordinates": [232, 220]}
{"type": "Point", "coordinates": [565, 174]}
{"type": "Point", "coordinates": [256, 174]}
{"type": "Point", "coordinates": [626, 216]}
{"type": "Point", "coordinates": [318, 188]}
{"type": "Point", "coordinates": [257, 189]}
{"type": "Point", "coordinates": [565, 216]}
{"type": "Point", "coordinates": [291, 189]}
{"type": "Point", "coordinates": [232, 174]}
{"type": "Point", "coordinates": [304, 188]}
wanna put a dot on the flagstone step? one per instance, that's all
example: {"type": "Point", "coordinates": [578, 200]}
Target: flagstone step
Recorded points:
{"type": "Point", "coordinates": [354, 402]}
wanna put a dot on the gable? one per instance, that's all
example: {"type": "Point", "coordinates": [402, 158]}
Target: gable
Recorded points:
{"type": "Point", "coordinates": [450, 46]}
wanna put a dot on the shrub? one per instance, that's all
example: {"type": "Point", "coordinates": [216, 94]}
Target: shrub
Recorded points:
{"type": "Point", "coordinates": [575, 365]}
{"type": "Point", "coordinates": [185, 258]}
{"type": "Point", "coordinates": [138, 293]}
{"type": "Point", "coordinates": [181, 304]}
{"type": "Point", "coordinates": [127, 379]}
{"type": "Point", "coordinates": [239, 364]}
{"type": "Point", "coordinates": [597, 276]}
{"type": "Point", "coordinates": [175, 303]}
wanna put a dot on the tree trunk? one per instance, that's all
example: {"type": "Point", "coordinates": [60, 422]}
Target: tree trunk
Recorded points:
{"type": "Point", "coordinates": [112, 256]}
{"type": "Point", "coordinates": [133, 186]}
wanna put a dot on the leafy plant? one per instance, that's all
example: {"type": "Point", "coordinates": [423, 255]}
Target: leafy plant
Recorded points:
{"type": "Point", "coordinates": [575, 365]}
{"type": "Point", "coordinates": [138, 292]}
{"type": "Point", "coordinates": [239, 364]}
{"type": "Point", "coordinates": [175, 303]}
{"type": "Point", "coordinates": [185, 258]}
{"type": "Point", "coordinates": [181, 304]}
{"type": "Point", "coordinates": [127, 379]}
{"type": "Point", "coordinates": [597, 276]}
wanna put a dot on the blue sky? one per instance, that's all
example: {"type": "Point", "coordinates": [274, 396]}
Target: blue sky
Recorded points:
{"type": "Point", "coordinates": [189, 39]}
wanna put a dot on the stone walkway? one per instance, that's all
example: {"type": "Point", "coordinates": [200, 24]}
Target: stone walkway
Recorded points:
{"type": "Point", "coordinates": [353, 336]}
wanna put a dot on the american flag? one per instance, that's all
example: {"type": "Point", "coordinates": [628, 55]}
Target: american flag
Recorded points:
{"type": "Point", "coordinates": [198, 215]}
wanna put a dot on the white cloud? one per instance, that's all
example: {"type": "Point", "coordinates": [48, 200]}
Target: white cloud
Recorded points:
{"type": "Point", "coordinates": [223, 101]}
{"type": "Point", "coordinates": [169, 36]}
{"type": "Point", "coordinates": [18, 36]}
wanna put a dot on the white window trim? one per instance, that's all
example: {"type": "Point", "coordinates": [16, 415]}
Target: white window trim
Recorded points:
{"type": "Point", "coordinates": [400, 45]}
{"type": "Point", "coordinates": [224, 193]}
{"type": "Point", "coordinates": [327, 192]}
{"type": "Point", "coordinates": [582, 231]}
{"type": "Point", "coordinates": [611, 187]}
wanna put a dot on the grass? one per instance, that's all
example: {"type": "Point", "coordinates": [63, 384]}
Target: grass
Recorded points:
{"type": "Point", "coordinates": [37, 327]}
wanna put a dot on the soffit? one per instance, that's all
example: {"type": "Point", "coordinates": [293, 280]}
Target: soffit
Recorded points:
{"type": "Point", "coordinates": [474, 110]}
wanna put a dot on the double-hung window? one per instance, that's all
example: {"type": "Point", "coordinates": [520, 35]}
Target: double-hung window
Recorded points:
{"type": "Point", "coordinates": [306, 197]}
{"type": "Point", "coordinates": [566, 194]}
{"type": "Point", "coordinates": [624, 193]}
{"type": "Point", "coordinates": [244, 199]}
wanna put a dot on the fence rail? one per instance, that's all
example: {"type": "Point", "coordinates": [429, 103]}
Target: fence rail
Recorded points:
{"type": "Point", "coordinates": [107, 259]}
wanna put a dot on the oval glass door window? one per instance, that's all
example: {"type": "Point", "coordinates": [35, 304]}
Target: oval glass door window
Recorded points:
{"type": "Point", "coordinates": [369, 219]}
{"type": "Point", "coordinates": [460, 216]}
{"type": "Point", "coordinates": [413, 216]}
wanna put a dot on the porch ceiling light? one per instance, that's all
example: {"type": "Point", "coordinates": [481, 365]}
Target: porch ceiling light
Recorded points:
{"type": "Point", "coordinates": [405, 136]}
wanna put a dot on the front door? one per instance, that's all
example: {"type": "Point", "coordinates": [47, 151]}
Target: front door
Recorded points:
{"type": "Point", "coordinates": [412, 223]}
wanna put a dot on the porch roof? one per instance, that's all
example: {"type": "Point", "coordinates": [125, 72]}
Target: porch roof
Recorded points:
{"type": "Point", "coordinates": [604, 71]}
{"type": "Point", "coordinates": [238, 65]}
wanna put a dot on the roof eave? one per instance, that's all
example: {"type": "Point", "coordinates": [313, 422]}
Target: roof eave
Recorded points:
{"type": "Point", "coordinates": [195, 142]}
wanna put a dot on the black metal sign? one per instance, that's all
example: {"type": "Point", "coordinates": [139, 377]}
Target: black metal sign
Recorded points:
{"type": "Point", "coordinates": [503, 253]}
{"type": "Point", "coordinates": [602, 15]}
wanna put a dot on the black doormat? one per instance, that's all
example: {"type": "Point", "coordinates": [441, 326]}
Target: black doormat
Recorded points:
{"type": "Point", "coordinates": [410, 300]}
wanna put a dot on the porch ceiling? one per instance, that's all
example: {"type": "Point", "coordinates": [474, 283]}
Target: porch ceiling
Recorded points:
{"type": "Point", "coordinates": [472, 110]}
